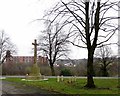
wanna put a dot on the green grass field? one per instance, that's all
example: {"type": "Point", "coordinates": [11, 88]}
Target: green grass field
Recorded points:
{"type": "Point", "coordinates": [104, 86]}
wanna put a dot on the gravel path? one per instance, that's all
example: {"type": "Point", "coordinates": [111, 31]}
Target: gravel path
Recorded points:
{"type": "Point", "coordinates": [13, 88]}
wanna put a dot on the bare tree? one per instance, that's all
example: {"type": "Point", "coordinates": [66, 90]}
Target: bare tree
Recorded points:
{"type": "Point", "coordinates": [105, 59]}
{"type": "Point", "coordinates": [90, 21]}
{"type": "Point", "coordinates": [53, 42]}
{"type": "Point", "coordinates": [5, 44]}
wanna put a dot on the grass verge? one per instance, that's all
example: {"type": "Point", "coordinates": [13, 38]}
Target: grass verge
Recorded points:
{"type": "Point", "coordinates": [104, 86]}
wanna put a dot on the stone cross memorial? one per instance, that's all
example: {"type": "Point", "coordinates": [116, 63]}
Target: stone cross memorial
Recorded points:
{"type": "Point", "coordinates": [35, 70]}
{"type": "Point", "coordinates": [35, 51]}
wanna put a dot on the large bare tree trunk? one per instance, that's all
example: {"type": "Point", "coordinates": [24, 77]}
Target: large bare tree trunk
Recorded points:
{"type": "Point", "coordinates": [90, 71]}
{"type": "Point", "coordinates": [90, 82]}
{"type": "Point", "coordinates": [52, 70]}
{"type": "Point", "coordinates": [104, 71]}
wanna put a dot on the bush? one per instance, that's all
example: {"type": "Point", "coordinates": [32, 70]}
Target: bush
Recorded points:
{"type": "Point", "coordinates": [65, 72]}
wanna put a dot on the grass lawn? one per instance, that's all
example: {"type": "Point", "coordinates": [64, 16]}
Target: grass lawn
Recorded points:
{"type": "Point", "coordinates": [104, 86]}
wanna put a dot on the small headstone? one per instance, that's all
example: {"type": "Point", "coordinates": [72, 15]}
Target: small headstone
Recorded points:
{"type": "Point", "coordinates": [58, 78]}
{"type": "Point", "coordinates": [70, 80]}
{"type": "Point", "coordinates": [62, 78]}
{"type": "Point", "coordinates": [26, 75]}
{"type": "Point", "coordinates": [75, 78]}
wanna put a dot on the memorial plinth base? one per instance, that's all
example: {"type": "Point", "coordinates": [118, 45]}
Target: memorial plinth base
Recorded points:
{"type": "Point", "coordinates": [35, 74]}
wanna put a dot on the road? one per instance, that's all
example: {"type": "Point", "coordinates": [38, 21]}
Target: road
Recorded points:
{"type": "Point", "coordinates": [14, 88]}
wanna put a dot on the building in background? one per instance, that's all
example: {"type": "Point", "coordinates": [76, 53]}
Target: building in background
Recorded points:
{"type": "Point", "coordinates": [27, 59]}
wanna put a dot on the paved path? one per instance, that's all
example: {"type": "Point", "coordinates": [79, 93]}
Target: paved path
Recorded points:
{"type": "Point", "coordinates": [14, 88]}
{"type": "Point", "coordinates": [64, 77]}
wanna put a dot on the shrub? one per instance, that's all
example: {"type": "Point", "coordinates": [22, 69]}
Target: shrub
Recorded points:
{"type": "Point", "coordinates": [65, 72]}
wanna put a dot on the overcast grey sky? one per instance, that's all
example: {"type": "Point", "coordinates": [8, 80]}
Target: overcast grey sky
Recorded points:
{"type": "Point", "coordinates": [16, 17]}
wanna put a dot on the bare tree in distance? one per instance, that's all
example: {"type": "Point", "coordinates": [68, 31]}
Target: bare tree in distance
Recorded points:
{"type": "Point", "coordinates": [5, 44]}
{"type": "Point", "coordinates": [53, 42]}
{"type": "Point", "coordinates": [105, 59]}
{"type": "Point", "coordinates": [91, 23]}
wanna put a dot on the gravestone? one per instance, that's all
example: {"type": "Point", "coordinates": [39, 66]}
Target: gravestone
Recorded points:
{"type": "Point", "coordinates": [58, 78]}
{"type": "Point", "coordinates": [75, 78]}
{"type": "Point", "coordinates": [62, 78]}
